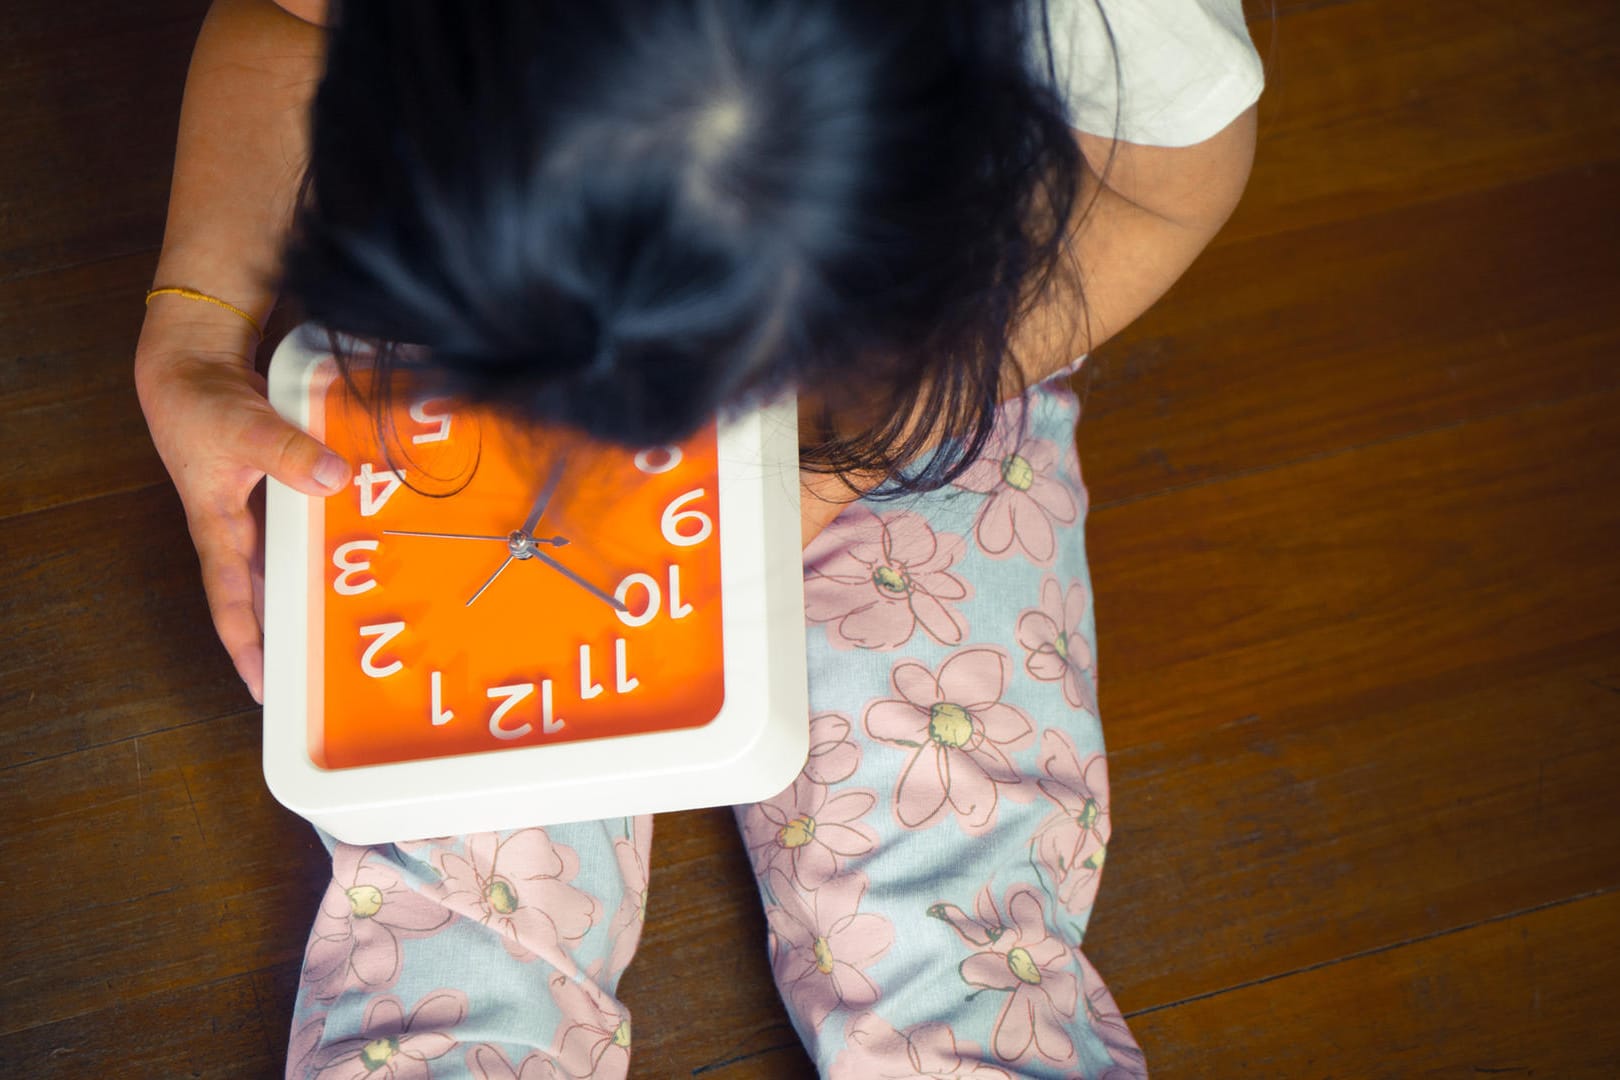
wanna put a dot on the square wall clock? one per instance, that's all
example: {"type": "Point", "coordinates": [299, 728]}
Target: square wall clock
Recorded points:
{"type": "Point", "coordinates": [496, 626]}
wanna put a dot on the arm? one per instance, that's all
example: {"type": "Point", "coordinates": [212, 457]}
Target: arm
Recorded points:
{"type": "Point", "coordinates": [1146, 215]}
{"type": "Point", "coordinates": [238, 164]}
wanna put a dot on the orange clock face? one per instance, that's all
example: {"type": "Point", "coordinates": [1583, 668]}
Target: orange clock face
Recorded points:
{"type": "Point", "coordinates": [482, 588]}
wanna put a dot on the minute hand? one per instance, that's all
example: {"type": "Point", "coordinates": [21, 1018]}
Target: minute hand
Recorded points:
{"type": "Point", "coordinates": [546, 492]}
{"type": "Point", "coordinates": [612, 601]}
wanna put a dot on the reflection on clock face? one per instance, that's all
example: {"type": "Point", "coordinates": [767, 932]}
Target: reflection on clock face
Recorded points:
{"type": "Point", "coordinates": [481, 588]}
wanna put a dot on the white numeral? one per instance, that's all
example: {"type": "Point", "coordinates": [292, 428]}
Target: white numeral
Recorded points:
{"type": "Point", "coordinates": [549, 724]}
{"type": "Point", "coordinates": [513, 694]}
{"type": "Point", "coordinates": [659, 459]}
{"type": "Point", "coordinates": [654, 599]}
{"type": "Point", "coordinates": [385, 633]}
{"type": "Point", "coordinates": [588, 687]}
{"type": "Point", "coordinates": [626, 682]}
{"type": "Point", "coordinates": [673, 516]}
{"type": "Point", "coordinates": [376, 488]}
{"type": "Point", "coordinates": [677, 610]}
{"type": "Point", "coordinates": [345, 560]}
{"type": "Point", "coordinates": [441, 715]}
{"type": "Point", "coordinates": [419, 413]}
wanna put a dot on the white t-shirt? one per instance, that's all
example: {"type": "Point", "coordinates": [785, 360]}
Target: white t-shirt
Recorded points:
{"type": "Point", "coordinates": [1186, 68]}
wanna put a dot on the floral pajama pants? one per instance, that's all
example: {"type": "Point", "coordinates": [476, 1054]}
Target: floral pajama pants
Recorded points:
{"type": "Point", "coordinates": [927, 879]}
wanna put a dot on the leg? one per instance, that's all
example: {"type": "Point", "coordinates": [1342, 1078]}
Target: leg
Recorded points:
{"type": "Point", "coordinates": [480, 956]}
{"type": "Point", "coordinates": [928, 878]}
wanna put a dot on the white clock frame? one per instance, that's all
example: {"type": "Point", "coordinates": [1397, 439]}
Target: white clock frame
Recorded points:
{"type": "Point", "coordinates": [753, 748]}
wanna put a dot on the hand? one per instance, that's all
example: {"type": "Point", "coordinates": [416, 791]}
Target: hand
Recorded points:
{"type": "Point", "coordinates": [219, 437]}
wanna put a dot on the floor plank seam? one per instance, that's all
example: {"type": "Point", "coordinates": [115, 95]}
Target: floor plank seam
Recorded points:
{"type": "Point", "coordinates": [1326, 455]}
{"type": "Point", "coordinates": [218, 717]}
{"type": "Point", "coordinates": [1391, 947]}
{"type": "Point", "coordinates": [147, 249]}
{"type": "Point", "coordinates": [156, 485]}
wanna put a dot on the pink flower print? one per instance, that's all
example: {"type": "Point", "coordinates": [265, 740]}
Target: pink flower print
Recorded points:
{"type": "Point", "coordinates": [876, 1051]}
{"type": "Point", "coordinates": [1058, 650]}
{"type": "Point", "coordinates": [367, 909]}
{"type": "Point", "coordinates": [822, 941]}
{"type": "Point", "coordinates": [878, 578]}
{"type": "Point", "coordinates": [392, 1047]}
{"type": "Point", "coordinates": [833, 755]}
{"type": "Point", "coordinates": [1071, 844]}
{"type": "Point", "coordinates": [485, 1062]}
{"type": "Point", "coordinates": [1031, 965]}
{"type": "Point", "coordinates": [625, 929]}
{"type": "Point", "coordinates": [1109, 1024]}
{"type": "Point", "coordinates": [596, 1040]}
{"type": "Point", "coordinates": [1025, 496]}
{"type": "Point", "coordinates": [301, 1047]}
{"type": "Point", "coordinates": [517, 887]}
{"type": "Point", "coordinates": [803, 833]}
{"type": "Point", "coordinates": [959, 732]}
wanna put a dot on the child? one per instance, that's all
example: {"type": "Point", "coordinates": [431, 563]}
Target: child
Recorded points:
{"type": "Point", "coordinates": [624, 216]}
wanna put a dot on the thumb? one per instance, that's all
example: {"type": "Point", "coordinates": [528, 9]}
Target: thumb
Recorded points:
{"type": "Point", "coordinates": [279, 449]}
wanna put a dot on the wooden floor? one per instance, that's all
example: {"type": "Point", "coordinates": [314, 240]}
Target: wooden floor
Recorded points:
{"type": "Point", "coordinates": [1356, 545]}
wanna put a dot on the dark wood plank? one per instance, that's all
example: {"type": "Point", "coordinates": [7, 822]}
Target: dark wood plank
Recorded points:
{"type": "Point", "coordinates": [1310, 833]}
{"type": "Point", "coordinates": [205, 1031]}
{"type": "Point", "coordinates": [107, 633]}
{"type": "Point", "coordinates": [73, 426]}
{"type": "Point", "coordinates": [1375, 104]}
{"type": "Point", "coordinates": [93, 104]}
{"type": "Point", "coordinates": [1512, 998]}
{"type": "Point", "coordinates": [1395, 323]}
{"type": "Point", "coordinates": [1370, 568]}
{"type": "Point", "coordinates": [150, 865]}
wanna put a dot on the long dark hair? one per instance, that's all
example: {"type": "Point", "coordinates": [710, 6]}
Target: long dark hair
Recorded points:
{"type": "Point", "coordinates": [626, 216]}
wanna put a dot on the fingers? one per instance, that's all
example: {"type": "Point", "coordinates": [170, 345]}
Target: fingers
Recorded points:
{"type": "Point", "coordinates": [224, 549]}
{"type": "Point", "coordinates": [277, 448]}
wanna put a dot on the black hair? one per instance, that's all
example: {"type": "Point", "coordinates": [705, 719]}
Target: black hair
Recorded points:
{"type": "Point", "coordinates": [626, 216]}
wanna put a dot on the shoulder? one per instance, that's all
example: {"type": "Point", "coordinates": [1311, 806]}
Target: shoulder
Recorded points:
{"type": "Point", "coordinates": [311, 11]}
{"type": "Point", "coordinates": [1153, 72]}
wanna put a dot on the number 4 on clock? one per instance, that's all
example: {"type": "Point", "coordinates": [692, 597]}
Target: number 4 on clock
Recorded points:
{"type": "Point", "coordinates": [376, 487]}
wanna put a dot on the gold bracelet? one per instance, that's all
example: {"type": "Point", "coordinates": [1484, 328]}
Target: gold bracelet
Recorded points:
{"type": "Point", "coordinates": [193, 294]}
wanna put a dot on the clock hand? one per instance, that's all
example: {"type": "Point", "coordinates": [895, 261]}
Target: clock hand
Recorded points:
{"type": "Point", "coordinates": [491, 580]}
{"type": "Point", "coordinates": [546, 492]}
{"type": "Point", "coordinates": [612, 602]}
{"type": "Point", "coordinates": [557, 541]}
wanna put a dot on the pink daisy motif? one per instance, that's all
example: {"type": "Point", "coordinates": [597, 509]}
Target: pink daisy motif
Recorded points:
{"type": "Point", "coordinates": [1058, 650]}
{"type": "Point", "coordinates": [485, 1062]}
{"type": "Point", "coordinates": [1028, 963]}
{"type": "Point", "coordinates": [959, 733]}
{"type": "Point", "coordinates": [822, 941]}
{"type": "Point", "coordinates": [596, 1039]}
{"type": "Point", "coordinates": [303, 1043]}
{"type": "Point", "coordinates": [833, 755]}
{"type": "Point", "coordinates": [1026, 496]}
{"type": "Point", "coordinates": [625, 929]}
{"type": "Point", "coordinates": [367, 909]}
{"type": "Point", "coordinates": [803, 833]}
{"type": "Point", "coordinates": [1109, 1024]}
{"type": "Point", "coordinates": [517, 886]}
{"type": "Point", "coordinates": [392, 1046]}
{"type": "Point", "coordinates": [1071, 844]}
{"type": "Point", "coordinates": [879, 578]}
{"type": "Point", "coordinates": [876, 1051]}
